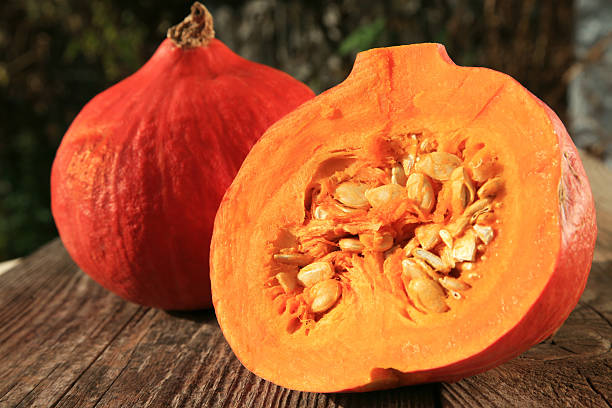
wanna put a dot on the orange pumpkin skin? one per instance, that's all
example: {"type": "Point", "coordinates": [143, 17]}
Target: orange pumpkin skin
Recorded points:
{"type": "Point", "coordinates": [535, 271]}
{"type": "Point", "coordinates": [140, 172]}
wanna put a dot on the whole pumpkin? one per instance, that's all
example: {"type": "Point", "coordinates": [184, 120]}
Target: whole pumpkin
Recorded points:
{"type": "Point", "coordinates": [139, 175]}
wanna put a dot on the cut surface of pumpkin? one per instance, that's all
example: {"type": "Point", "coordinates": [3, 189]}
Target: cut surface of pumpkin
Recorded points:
{"type": "Point", "coordinates": [419, 222]}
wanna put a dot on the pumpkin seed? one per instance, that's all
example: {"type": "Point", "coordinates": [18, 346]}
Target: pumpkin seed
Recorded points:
{"type": "Point", "coordinates": [456, 227]}
{"type": "Point", "coordinates": [479, 213]}
{"type": "Point", "coordinates": [478, 206]}
{"type": "Point", "coordinates": [482, 166]}
{"type": "Point", "coordinates": [485, 218]}
{"type": "Point", "coordinates": [465, 266]}
{"type": "Point", "coordinates": [315, 273]}
{"type": "Point", "coordinates": [324, 294]}
{"type": "Point", "coordinates": [446, 254]}
{"type": "Point", "coordinates": [484, 232]}
{"type": "Point", "coordinates": [420, 190]}
{"type": "Point", "coordinates": [438, 165]}
{"type": "Point", "coordinates": [352, 194]}
{"type": "Point", "coordinates": [288, 281]}
{"type": "Point", "coordinates": [398, 175]}
{"type": "Point", "coordinates": [410, 246]}
{"type": "Point", "coordinates": [428, 294]}
{"type": "Point", "coordinates": [432, 259]}
{"type": "Point", "coordinates": [351, 245]}
{"type": "Point", "coordinates": [428, 235]}
{"type": "Point", "coordinates": [320, 213]}
{"type": "Point", "coordinates": [446, 237]}
{"type": "Point", "coordinates": [465, 247]}
{"type": "Point", "coordinates": [293, 259]}
{"type": "Point", "coordinates": [427, 145]}
{"type": "Point", "coordinates": [462, 188]}
{"type": "Point", "coordinates": [377, 241]}
{"type": "Point", "coordinates": [380, 196]}
{"type": "Point", "coordinates": [453, 284]}
{"type": "Point", "coordinates": [408, 164]}
{"type": "Point", "coordinates": [490, 188]}
{"type": "Point", "coordinates": [413, 269]}
{"type": "Point", "coordinates": [426, 268]}
{"type": "Point", "coordinates": [390, 251]}
{"type": "Point", "coordinates": [348, 210]}
{"type": "Point", "coordinates": [470, 214]}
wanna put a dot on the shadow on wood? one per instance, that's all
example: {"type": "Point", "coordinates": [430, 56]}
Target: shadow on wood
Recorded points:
{"type": "Point", "coordinates": [198, 316]}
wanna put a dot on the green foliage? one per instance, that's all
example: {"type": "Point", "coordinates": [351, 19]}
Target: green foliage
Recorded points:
{"type": "Point", "coordinates": [362, 38]}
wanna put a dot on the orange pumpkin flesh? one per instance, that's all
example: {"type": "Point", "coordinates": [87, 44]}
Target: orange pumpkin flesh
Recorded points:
{"type": "Point", "coordinates": [286, 200]}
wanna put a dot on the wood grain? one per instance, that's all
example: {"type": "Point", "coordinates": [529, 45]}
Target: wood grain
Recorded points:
{"type": "Point", "coordinates": [66, 342]}
{"type": "Point", "coordinates": [69, 343]}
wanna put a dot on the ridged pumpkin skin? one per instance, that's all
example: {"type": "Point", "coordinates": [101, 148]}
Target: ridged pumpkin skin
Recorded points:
{"type": "Point", "coordinates": [140, 172]}
{"type": "Point", "coordinates": [536, 267]}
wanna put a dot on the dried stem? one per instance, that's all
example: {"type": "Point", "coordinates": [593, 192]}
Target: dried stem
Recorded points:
{"type": "Point", "coordinates": [196, 30]}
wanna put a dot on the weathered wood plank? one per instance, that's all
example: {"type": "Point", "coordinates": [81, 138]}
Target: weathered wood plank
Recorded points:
{"type": "Point", "coordinates": [55, 322]}
{"type": "Point", "coordinates": [67, 342]}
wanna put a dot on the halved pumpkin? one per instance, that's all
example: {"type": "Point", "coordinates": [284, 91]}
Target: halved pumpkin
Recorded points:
{"type": "Point", "coordinates": [418, 222]}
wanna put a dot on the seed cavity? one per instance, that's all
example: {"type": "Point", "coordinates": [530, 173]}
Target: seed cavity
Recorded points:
{"type": "Point", "coordinates": [425, 220]}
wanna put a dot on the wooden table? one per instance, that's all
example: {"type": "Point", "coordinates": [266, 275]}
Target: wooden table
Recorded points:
{"type": "Point", "coordinates": [65, 341]}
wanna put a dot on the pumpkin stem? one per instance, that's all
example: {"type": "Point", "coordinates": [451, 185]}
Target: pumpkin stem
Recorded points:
{"type": "Point", "coordinates": [196, 30]}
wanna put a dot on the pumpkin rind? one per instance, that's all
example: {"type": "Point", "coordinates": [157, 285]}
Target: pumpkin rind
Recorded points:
{"type": "Point", "coordinates": [140, 172]}
{"type": "Point", "coordinates": [537, 269]}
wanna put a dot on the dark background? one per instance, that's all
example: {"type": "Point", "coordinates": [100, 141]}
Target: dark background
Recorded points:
{"type": "Point", "coordinates": [55, 55]}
